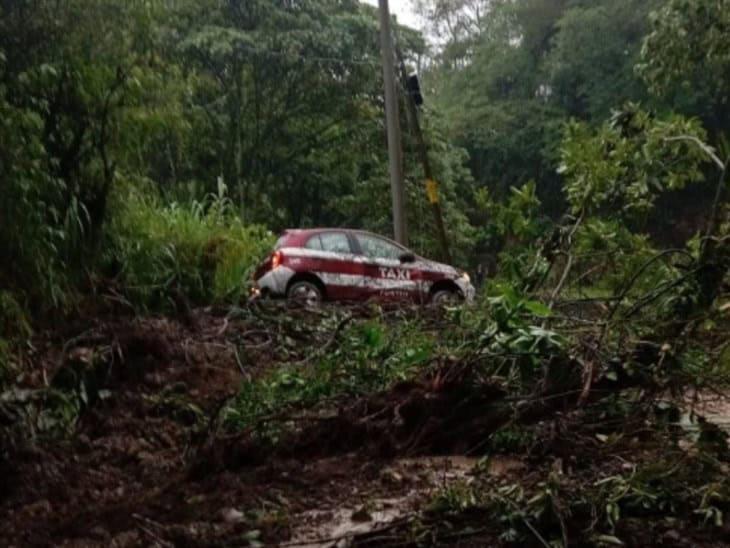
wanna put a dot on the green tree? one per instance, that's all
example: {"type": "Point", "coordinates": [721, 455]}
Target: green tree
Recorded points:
{"type": "Point", "coordinates": [590, 65]}
{"type": "Point", "coordinates": [686, 58]}
{"type": "Point", "coordinates": [621, 167]}
{"type": "Point", "coordinates": [65, 82]}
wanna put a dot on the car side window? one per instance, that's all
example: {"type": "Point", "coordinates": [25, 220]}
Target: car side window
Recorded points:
{"type": "Point", "coordinates": [335, 242]}
{"type": "Point", "coordinates": [377, 248]}
{"type": "Point", "coordinates": [314, 243]}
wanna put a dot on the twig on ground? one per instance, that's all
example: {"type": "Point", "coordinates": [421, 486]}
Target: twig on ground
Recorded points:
{"type": "Point", "coordinates": [333, 338]}
{"type": "Point", "coordinates": [223, 328]}
{"type": "Point", "coordinates": [256, 332]}
{"type": "Point", "coordinates": [352, 535]}
{"type": "Point", "coordinates": [141, 519]}
{"type": "Point", "coordinates": [240, 364]}
{"type": "Point", "coordinates": [87, 337]}
{"type": "Point", "coordinates": [536, 533]}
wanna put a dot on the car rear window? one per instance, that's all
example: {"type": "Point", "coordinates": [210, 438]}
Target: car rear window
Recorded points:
{"type": "Point", "coordinates": [283, 240]}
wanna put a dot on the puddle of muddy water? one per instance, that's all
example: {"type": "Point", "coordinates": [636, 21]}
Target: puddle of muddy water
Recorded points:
{"type": "Point", "coordinates": [342, 525]}
{"type": "Point", "coordinates": [713, 407]}
{"type": "Point", "coordinates": [418, 477]}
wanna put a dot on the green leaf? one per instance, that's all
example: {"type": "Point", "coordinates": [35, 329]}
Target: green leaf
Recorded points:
{"type": "Point", "coordinates": [538, 309]}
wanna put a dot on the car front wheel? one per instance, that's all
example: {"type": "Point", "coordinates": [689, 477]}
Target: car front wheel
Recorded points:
{"type": "Point", "coordinates": [446, 297]}
{"type": "Point", "coordinates": [304, 293]}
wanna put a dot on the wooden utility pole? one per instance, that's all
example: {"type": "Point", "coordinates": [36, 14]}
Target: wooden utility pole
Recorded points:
{"type": "Point", "coordinates": [395, 152]}
{"type": "Point", "coordinates": [431, 185]}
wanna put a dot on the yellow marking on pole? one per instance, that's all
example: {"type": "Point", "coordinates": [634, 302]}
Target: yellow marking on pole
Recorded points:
{"type": "Point", "coordinates": [432, 191]}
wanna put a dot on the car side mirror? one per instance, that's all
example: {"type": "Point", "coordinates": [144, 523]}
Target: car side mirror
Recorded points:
{"type": "Point", "coordinates": [407, 257]}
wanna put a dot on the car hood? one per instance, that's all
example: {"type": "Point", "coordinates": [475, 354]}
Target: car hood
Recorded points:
{"type": "Point", "coordinates": [435, 266]}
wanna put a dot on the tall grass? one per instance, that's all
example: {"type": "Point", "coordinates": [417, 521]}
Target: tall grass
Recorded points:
{"type": "Point", "coordinates": [202, 249]}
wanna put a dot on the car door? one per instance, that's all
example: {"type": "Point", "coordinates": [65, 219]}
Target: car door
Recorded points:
{"type": "Point", "coordinates": [335, 263]}
{"type": "Point", "coordinates": [385, 277]}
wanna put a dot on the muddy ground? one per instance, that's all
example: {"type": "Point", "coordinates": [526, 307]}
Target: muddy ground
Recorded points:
{"type": "Point", "coordinates": [143, 465]}
{"type": "Point", "coordinates": [131, 473]}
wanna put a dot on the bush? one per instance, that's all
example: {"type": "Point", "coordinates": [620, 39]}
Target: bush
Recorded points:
{"type": "Point", "coordinates": [369, 357]}
{"type": "Point", "coordinates": [13, 320]}
{"type": "Point", "coordinates": [608, 256]}
{"type": "Point", "coordinates": [37, 231]}
{"type": "Point", "coordinates": [5, 362]}
{"type": "Point", "coordinates": [203, 250]}
{"type": "Point", "coordinates": [14, 326]}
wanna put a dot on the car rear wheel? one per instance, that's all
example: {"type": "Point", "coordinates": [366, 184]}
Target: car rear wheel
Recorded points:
{"type": "Point", "coordinates": [304, 293]}
{"type": "Point", "coordinates": [446, 297]}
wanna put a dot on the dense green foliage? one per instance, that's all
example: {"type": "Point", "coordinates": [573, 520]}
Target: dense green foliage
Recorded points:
{"type": "Point", "coordinates": [629, 161]}
{"type": "Point", "coordinates": [120, 120]}
{"type": "Point", "coordinates": [686, 57]}
{"type": "Point", "coordinates": [150, 152]}
{"type": "Point", "coordinates": [201, 250]}
{"type": "Point", "coordinates": [106, 104]}
{"type": "Point", "coordinates": [509, 74]}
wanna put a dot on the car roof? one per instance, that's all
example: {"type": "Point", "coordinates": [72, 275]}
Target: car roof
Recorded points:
{"type": "Point", "coordinates": [313, 231]}
{"type": "Point", "coordinates": [299, 235]}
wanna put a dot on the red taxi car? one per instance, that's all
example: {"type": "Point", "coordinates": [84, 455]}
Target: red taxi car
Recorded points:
{"type": "Point", "coordinates": [352, 265]}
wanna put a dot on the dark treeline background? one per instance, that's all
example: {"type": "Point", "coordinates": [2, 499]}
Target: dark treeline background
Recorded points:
{"type": "Point", "coordinates": [511, 72]}
{"type": "Point", "coordinates": [135, 135]}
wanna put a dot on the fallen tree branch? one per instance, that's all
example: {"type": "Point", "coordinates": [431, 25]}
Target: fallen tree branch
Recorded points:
{"type": "Point", "coordinates": [654, 295]}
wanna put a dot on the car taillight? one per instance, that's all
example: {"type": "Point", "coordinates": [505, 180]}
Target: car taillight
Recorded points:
{"type": "Point", "coordinates": [276, 259]}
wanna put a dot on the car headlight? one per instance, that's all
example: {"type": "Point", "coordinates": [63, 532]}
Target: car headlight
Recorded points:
{"type": "Point", "coordinates": [465, 277]}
